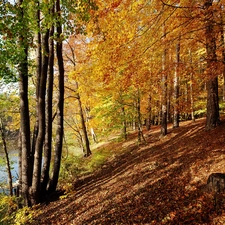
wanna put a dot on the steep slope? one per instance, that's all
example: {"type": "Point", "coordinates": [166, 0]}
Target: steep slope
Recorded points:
{"type": "Point", "coordinates": [158, 183]}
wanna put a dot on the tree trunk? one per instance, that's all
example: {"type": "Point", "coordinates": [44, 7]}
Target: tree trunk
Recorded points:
{"type": "Point", "coordinates": [212, 116]}
{"type": "Point", "coordinates": [191, 88]}
{"type": "Point", "coordinates": [38, 72]}
{"type": "Point", "coordinates": [149, 113]}
{"type": "Point", "coordinates": [164, 92]}
{"type": "Point", "coordinates": [93, 135]}
{"type": "Point", "coordinates": [124, 129]}
{"type": "Point", "coordinates": [176, 88]}
{"type": "Point", "coordinates": [84, 129]}
{"type": "Point", "coordinates": [139, 123]}
{"type": "Point", "coordinates": [223, 51]}
{"type": "Point", "coordinates": [6, 158]}
{"type": "Point", "coordinates": [35, 191]}
{"type": "Point", "coordinates": [60, 106]}
{"type": "Point", "coordinates": [48, 135]}
{"type": "Point", "coordinates": [24, 109]}
{"type": "Point", "coordinates": [20, 162]}
{"type": "Point", "coordinates": [25, 128]}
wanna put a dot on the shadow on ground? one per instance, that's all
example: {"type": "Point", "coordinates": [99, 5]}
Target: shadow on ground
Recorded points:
{"type": "Point", "coordinates": [159, 183]}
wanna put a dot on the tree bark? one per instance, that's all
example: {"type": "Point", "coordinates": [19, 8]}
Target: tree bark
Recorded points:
{"type": "Point", "coordinates": [60, 106]}
{"type": "Point", "coordinates": [38, 72]}
{"type": "Point", "coordinates": [24, 127]}
{"type": "Point", "coordinates": [164, 92]}
{"type": "Point", "coordinates": [20, 162]}
{"type": "Point", "coordinates": [49, 114]}
{"type": "Point", "coordinates": [124, 123]}
{"type": "Point", "coordinates": [35, 191]}
{"type": "Point", "coordinates": [84, 129]}
{"type": "Point", "coordinates": [223, 51]}
{"type": "Point", "coordinates": [191, 87]}
{"type": "Point", "coordinates": [139, 123]}
{"type": "Point", "coordinates": [24, 108]}
{"type": "Point", "coordinates": [149, 113]}
{"type": "Point", "coordinates": [212, 115]}
{"type": "Point", "coordinates": [176, 88]}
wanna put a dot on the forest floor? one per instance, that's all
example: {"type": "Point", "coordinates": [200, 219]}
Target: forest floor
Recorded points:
{"type": "Point", "coordinates": [161, 182]}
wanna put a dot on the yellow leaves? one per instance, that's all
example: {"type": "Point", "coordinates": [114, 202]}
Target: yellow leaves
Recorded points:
{"type": "Point", "coordinates": [201, 52]}
{"type": "Point", "coordinates": [125, 46]}
{"type": "Point", "coordinates": [24, 216]}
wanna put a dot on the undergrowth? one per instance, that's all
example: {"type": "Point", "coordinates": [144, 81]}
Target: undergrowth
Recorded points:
{"type": "Point", "coordinates": [10, 212]}
{"type": "Point", "coordinates": [74, 167]}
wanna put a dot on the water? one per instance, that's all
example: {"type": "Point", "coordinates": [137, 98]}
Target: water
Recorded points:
{"type": "Point", "coordinates": [13, 156]}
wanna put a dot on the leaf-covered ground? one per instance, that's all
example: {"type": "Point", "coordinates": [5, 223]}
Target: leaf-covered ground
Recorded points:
{"type": "Point", "coordinates": [162, 182]}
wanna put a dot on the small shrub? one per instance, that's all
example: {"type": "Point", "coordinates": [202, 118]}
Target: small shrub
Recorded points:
{"type": "Point", "coordinates": [24, 216]}
{"type": "Point", "coordinates": [8, 207]}
{"type": "Point", "coordinates": [96, 160]}
{"type": "Point", "coordinates": [71, 167]}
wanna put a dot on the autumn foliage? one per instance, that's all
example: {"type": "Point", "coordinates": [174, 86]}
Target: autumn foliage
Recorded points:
{"type": "Point", "coordinates": [128, 48]}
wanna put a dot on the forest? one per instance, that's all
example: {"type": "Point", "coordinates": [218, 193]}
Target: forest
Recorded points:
{"type": "Point", "coordinates": [81, 79]}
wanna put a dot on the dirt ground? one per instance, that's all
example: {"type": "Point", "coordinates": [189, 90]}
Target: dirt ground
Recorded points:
{"type": "Point", "coordinates": [161, 182]}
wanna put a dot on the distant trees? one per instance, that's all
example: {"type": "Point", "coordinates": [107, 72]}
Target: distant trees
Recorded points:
{"type": "Point", "coordinates": [178, 68]}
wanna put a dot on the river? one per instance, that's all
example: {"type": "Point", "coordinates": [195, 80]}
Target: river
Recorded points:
{"type": "Point", "coordinates": [13, 155]}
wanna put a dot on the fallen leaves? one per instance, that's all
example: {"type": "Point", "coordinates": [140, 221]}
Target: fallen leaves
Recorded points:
{"type": "Point", "coordinates": [159, 184]}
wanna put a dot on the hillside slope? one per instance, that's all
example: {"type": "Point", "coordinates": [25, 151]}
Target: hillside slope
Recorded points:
{"type": "Point", "coordinates": [158, 183]}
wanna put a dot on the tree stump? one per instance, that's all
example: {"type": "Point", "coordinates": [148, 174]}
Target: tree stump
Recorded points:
{"type": "Point", "coordinates": [216, 182]}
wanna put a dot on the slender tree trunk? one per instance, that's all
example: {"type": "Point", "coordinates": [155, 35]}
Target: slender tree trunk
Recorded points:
{"type": "Point", "coordinates": [176, 88]}
{"type": "Point", "coordinates": [49, 113]}
{"type": "Point", "coordinates": [191, 88]}
{"type": "Point", "coordinates": [149, 111]}
{"type": "Point", "coordinates": [139, 123]}
{"type": "Point", "coordinates": [169, 93]}
{"type": "Point", "coordinates": [212, 117]}
{"type": "Point", "coordinates": [223, 51]}
{"type": "Point", "coordinates": [84, 129]}
{"type": "Point", "coordinates": [24, 109]}
{"type": "Point", "coordinates": [124, 129]}
{"type": "Point", "coordinates": [38, 72]}
{"type": "Point", "coordinates": [6, 158]}
{"type": "Point", "coordinates": [20, 163]}
{"type": "Point", "coordinates": [93, 135]}
{"type": "Point", "coordinates": [25, 128]}
{"type": "Point", "coordinates": [164, 92]}
{"type": "Point", "coordinates": [87, 151]}
{"type": "Point", "coordinates": [60, 106]}
{"type": "Point", "coordinates": [87, 110]}
{"type": "Point", "coordinates": [35, 192]}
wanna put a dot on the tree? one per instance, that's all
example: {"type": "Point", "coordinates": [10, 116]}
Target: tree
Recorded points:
{"type": "Point", "coordinates": [60, 105]}
{"type": "Point", "coordinates": [212, 117]}
{"type": "Point", "coordinates": [49, 114]}
{"type": "Point", "coordinates": [24, 105]}
{"type": "Point", "coordinates": [73, 56]}
{"type": "Point", "coordinates": [6, 157]}
{"type": "Point", "coordinates": [164, 89]}
{"type": "Point", "coordinates": [44, 20]}
{"type": "Point", "coordinates": [176, 87]}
